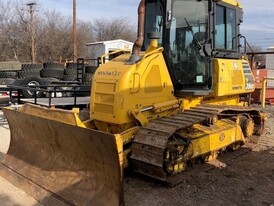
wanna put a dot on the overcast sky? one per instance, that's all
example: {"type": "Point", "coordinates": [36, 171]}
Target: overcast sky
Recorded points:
{"type": "Point", "coordinates": [258, 26]}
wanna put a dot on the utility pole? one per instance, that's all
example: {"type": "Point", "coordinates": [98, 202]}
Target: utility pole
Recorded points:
{"type": "Point", "coordinates": [74, 32]}
{"type": "Point", "coordinates": [32, 33]}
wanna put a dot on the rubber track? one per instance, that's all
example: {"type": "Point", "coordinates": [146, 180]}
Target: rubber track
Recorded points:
{"type": "Point", "coordinates": [150, 141]}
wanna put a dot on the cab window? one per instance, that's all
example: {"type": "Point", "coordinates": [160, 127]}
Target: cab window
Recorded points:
{"type": "Point", "coordinates": [225, 29]}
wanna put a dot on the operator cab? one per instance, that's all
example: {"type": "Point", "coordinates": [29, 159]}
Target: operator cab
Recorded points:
{"type": "Point", "coordinates": [193, 33]}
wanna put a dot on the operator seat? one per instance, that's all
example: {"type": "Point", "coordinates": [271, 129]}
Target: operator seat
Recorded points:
{"type": "Point", "coordinates": [192, 64]}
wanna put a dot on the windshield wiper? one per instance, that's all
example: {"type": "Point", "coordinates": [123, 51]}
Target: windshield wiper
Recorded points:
{"type": "Point", "coordinates": [192, 32]}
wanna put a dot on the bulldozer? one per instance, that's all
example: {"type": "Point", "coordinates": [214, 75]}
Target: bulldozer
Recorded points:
{"type": "Point", "coordinates": [174, 99]}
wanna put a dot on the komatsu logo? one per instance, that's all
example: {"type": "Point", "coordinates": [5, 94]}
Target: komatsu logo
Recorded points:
{"type": "Point", "coordinates": [237, 87]}
{"type": "Point", "coordinates": [109, 73]}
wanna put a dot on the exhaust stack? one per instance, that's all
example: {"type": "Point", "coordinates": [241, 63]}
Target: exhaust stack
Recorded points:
{"type": "Point", "coordinates": [140, 34]}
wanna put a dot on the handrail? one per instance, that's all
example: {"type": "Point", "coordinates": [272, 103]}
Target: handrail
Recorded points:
{"type": "Point", "coordinates": [40, 87]}
{"type": "Point", "coordinates": [51, 89]}
{"type": "Point", "coordinates": [160, 49]}
{"type": "Point", "coordinates": [264, 90]}
{"type": "Point", "coordinates": [111, 53]}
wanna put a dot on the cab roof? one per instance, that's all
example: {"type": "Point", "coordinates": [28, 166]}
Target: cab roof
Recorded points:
{"type": "Point", "coordinates": [231, 2]}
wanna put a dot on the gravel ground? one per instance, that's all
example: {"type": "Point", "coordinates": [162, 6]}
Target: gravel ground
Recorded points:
{"type": "Point", "coordinates": [247, 179]}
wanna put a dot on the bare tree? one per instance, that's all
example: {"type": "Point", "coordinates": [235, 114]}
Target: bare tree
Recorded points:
{"type": "Point", "coordinates": [52, 36]}
{"type": "Point", "coordinates": [54, 40]}
{"type": "Point", "coordinates": [116, 28]}
{"type": "Point", "coordinates": [13, 31]}
{"type": "Point", "coordinates": [84, 36]}
{"type": "Point", "coordinates": [53, 33]}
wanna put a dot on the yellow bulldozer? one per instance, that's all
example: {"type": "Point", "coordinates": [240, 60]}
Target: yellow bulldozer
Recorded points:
{"type": "Point", "coordinates": [174, 99]}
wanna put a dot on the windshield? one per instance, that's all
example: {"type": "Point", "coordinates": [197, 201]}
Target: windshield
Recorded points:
{"type": "Point", "coordinates": [183, 37]}
{"type": "Point", "coordinates": [187, 35]}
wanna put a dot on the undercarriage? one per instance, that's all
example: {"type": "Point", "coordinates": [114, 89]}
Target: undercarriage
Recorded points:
{"type": "Point", "coordinates": [164, 146]}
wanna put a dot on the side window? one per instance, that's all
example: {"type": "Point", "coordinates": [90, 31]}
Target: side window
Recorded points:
{"type": "Point", "coordinates": [225, 28]}
{"type": "Point", "coordinates": [220, 28]}
{"type": "Point", "coordinates": [231, 29]}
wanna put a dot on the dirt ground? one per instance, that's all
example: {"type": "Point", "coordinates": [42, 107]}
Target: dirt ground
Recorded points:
{"type": "Point", "coordinates": [244, 177]}
{"type": "Point", "coordinates": [10, 195]}
{"type": "Point", "coordinates": [247, 180]}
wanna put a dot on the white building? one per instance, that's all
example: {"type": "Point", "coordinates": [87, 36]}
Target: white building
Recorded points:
{"type": "Point", "coordinates": [97, 49]}
{"type": "Point", "coordinates": [270, 58]}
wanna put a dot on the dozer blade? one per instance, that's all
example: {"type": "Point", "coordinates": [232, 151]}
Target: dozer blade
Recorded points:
{"type": "Point", "coordinates": [62, 164]}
